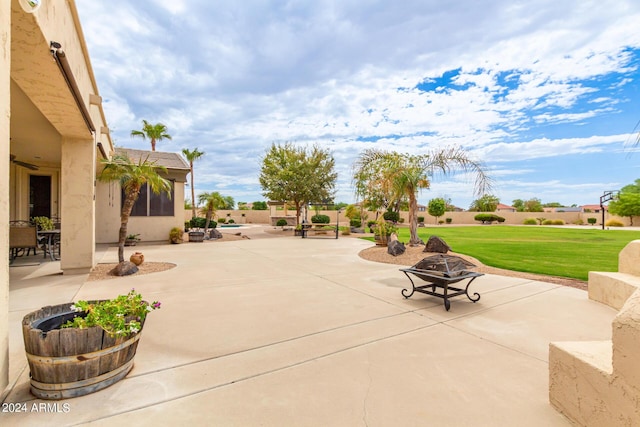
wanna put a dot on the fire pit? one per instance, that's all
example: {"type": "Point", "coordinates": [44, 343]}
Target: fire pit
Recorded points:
{"type": "Point", "coordinates": [440, 271]}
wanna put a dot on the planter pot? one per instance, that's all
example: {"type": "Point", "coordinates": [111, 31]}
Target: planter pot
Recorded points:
{"type": "Point", "coordinates": [381, 240]}
{"type": "Point", "coordinates": [137, 258]}
{"type": "Point", "coordinates": [196, 236]}
{"type": "Point", "coordinates": [297, 233]}
{"type": "Point", "coordinates": [72, 362]}
{"type": "Point", "coordinates": [130, 242]}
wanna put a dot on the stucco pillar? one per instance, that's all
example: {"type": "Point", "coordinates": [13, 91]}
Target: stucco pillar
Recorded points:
{"type": "Point", "coordinates": [78, 175]}
{"type": "Point", "coordinates": [5, 113]}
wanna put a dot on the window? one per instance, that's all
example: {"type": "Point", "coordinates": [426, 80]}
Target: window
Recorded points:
{"type": "Point", "coordinates": [151, 204]}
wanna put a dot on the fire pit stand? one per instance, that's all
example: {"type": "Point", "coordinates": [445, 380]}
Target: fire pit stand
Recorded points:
{"type": "Point", "coordinates": [440, 271]}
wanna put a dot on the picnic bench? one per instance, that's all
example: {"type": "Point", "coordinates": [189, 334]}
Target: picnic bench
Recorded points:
{"type": "Point", "coordinates": [440, 272]}
{"type": "Point", "coordinates": [319, 229]}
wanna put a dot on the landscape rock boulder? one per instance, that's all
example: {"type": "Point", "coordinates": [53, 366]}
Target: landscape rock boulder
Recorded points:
{"type": "Point", "coordinates": [124, 269]}
{"type": "Point", "coordinates": [215, 234]}
{"type": "Point", "coordinates": [395, 248]}
{"type": "Point", "coordinates": [436, 244]}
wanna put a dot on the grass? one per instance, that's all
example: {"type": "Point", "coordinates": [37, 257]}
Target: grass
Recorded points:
{"type": "Point", "coordinates": [565, 252]}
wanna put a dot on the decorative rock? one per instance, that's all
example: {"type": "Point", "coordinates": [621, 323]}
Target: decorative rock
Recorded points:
{"type": "Point", "coordinates": [137, 258]}
{"type": "Point", "coordinates": [436, 244]}
{"type": "Point", "coordinates": [395, 247]}
{"type": "Point", "coordinates": [215, 234]}
{"type": "Point", "coordinates": [124, 268]}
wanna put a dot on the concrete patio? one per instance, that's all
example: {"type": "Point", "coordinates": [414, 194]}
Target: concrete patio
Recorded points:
{"type": "Point", "coordinates": [286, 331]}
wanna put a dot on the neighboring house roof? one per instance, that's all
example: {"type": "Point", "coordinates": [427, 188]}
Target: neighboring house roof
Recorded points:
{"type": "Point", "coordinates": [593, 207]}
{"type": "Point", "coordinates": [503, 207]}
{"type": "Point", "coordinates": [168, 160]}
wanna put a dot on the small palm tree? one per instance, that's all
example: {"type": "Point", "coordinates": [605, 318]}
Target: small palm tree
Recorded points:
{"type": "Point", "coordinates": [156, 132]}
{"type": "Point", "coordinates": [394, 177]}
{"type": "Point", "coordinates": [212, 202]}
{"type": "Point", "coordinates": [132, 176]}
{"type": "Point", "coordinates": [191, 156]}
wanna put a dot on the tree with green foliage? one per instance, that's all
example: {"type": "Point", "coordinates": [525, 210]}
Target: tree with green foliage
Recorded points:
{"type": "Point", "coordinates": [242, 206]}
{"type": "Point", "coordinates": [437, 207]}
{"type": "Point", "coordinates": [518, 204]}
{"type": "Point", "coordinates": [132, 176]}
{"type": "Point", "coordinates": [259, 206]}
{"type": "Point", "coordinates": [191, 156]}
{"type": "Point", "coordinates": [212, 202]}
{"type": "Point", "coordinates": [155, 133]}
{"type": "Point", "coordinates": [533, 205]}
{"type": "Point", "coordinates": [386, 178]}
{"type": "Point", "coordinates": [486, 203]}
{"type": "Point", "coordinates": [297, 174]}
{"type": "Point", "coordinates": [628, 201]}
{"type": "Point", "coordinates": [229, 203]}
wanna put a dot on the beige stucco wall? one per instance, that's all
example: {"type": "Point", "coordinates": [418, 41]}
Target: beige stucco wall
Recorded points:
{"type": "Point", "coordinates": [151, 228]}
{"type": "Point", "coordinates": [5, 111]}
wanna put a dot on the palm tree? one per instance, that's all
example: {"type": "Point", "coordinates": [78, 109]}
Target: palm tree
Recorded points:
{"type": "Point", "coordinates": [132, 176]}
{"type": "Point", "coordinates": [191, 156]}
{"type": "Point", "coordinates": [156, 132]}
{"type": "Point", "coordinates": [212, 202]}
{"type": "Point", "coordinates": [391, 177]}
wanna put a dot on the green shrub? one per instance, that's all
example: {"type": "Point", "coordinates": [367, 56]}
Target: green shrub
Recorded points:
{"type": "Point", "coordinates": [557, 222]}
{"type": "Point", "coordinates": [530, 221]}
{"type": "Point", "coordinates": [198, 222]}
{"type": "Point", "coordinates": [488, 218]}
{"type": "Point", "coordinates": [355, 222]}
{"type": "Point", "coordinates": [420, 219]}
{"type": "Point", "coordinates": [320, 219]}
{"type": "Point", "coordinates": [222, 220]}
{"type": "Point", "coordinates": [578, 222]}
{"type": "Point", "coordinates": [401, 220]}
{"type": "Point", "coordinates": [391, 216]}
{"type": "Point", "coordinates": [547, 222]}
{"type": "Point", "coordinates": [231, 221]}
{"type": "Point", "coordinates": [370, 225]}
{"type": "Point", "coordinates": [187, 225]}
{"type": "Point", "coordinates": [175, 235]}
{"type": "Point", "coordinates": [281, 222]}
{"type": "Point", "coordinates": [613, 223]}
{"type": "Point", "coordinates": [449, 220]}
{"type": "Point", "coordinates": [592, 221]}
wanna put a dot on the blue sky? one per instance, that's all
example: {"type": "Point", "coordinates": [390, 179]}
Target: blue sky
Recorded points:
{"type": "Point", "coordinates": [545, 93]}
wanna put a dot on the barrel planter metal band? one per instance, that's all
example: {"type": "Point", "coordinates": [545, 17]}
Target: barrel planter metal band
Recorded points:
{"type": "Point", "coordinates": [73, 362]}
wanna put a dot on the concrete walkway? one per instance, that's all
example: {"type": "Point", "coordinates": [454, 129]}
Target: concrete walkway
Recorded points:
{"type": "Point", "coordinates": [293, 332]}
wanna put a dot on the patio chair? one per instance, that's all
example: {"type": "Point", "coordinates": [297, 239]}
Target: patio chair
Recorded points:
{"type": "Point", "coordinates": [23, 237]}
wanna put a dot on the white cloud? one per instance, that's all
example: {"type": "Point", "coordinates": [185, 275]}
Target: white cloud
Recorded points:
{"type": "Point", "coordinates": [233, 77]}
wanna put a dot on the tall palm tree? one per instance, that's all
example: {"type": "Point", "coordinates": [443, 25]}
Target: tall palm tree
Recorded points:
{"type": "Point", "coordinates": [191, 156]}
{"type": "Point", "coordinates": [156, 132]}
{"type": "Point", "coordinates": [132, 176]}
{"type": "Point", "coordinates": [394, 177]}
{"type": "Point", "coordinates": [212, 202]}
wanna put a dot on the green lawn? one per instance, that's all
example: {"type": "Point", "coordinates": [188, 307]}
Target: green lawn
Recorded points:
{"type": "Point", "coordinates": [566, 252]}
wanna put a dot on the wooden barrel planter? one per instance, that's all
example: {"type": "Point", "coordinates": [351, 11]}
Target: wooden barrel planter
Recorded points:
{"type": "Point", "coordinates": [72, 362]}
{"type": "Point", "coordinates": [196, 236]}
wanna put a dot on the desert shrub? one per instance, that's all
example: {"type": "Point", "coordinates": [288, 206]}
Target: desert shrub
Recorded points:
{"type": "Point", "coordinates": [355, 222]}
{"type": "Point", "coordinates": [345, 231]}
{"type": "Point", "coordinates": [222, 220]}
{"type": "Point", "coordinates": [592, 221]}
{"type": "Point", "coordinates": [231, 221]}
{"type": "Point", "coordinates": [401, 220]}
{"type": "Point", "coordinates": [449, 220]}
{"type": "Point", "coordinates": [281, 222]}
{"type": "Point", "coordinates": [578, 222]}
{"type": "Point", "coordinates": [547, 222]}
{"type": "Point", "coordinates": [391, 216]}
{"type": "Point", "coordinates": [530, 221]}
{"type": "Point", "coordinates": [441, 221]}
{"type": "Point", "coordinates": [613, 223]}
{"type": "Point", "coordinates": [557, 222]}
{"type": "Point", "coordinates": [488, 218]}
{"type": "Point", "coordinates": [187, 225]}
{"type": "Point", "coordinates": [175, 235]}
{"type": "Point", "coordinates": [320, 219]}
{"type": "Point", "coordinates": [420, 219]}
{"type": "Point", "coordinates": [370, 225]}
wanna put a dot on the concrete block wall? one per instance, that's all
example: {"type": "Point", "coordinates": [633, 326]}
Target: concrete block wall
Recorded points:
{"type": "Point", "coordinates": [598, 383]}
